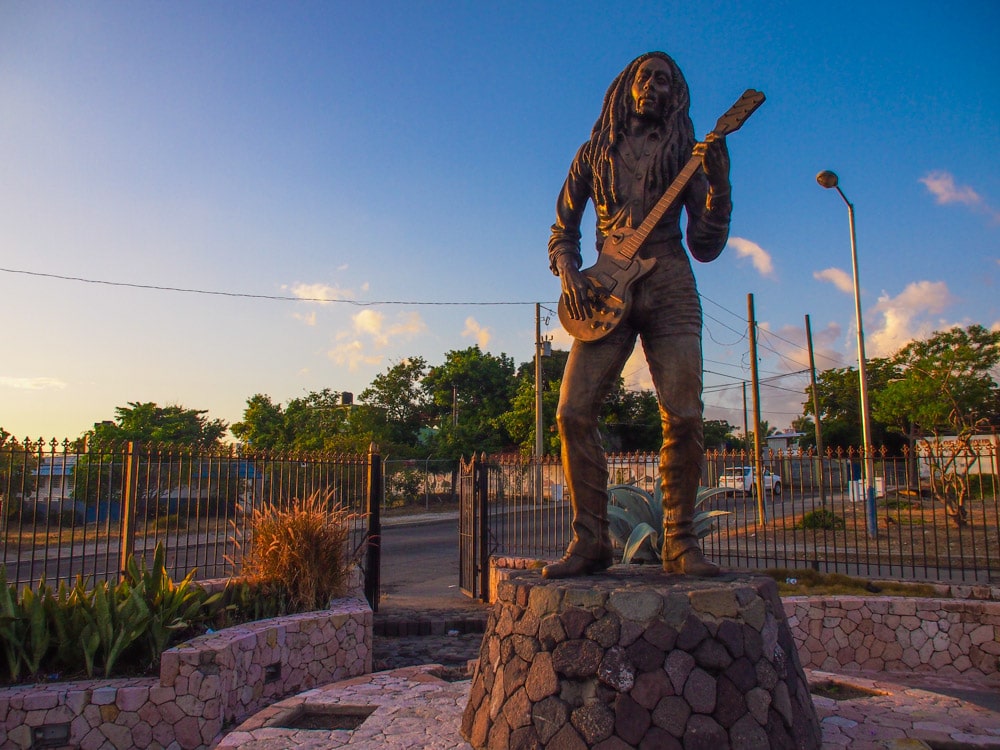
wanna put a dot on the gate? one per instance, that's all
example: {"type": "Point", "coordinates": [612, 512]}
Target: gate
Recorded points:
{"type": "Point", "coordinates": [473, 529]}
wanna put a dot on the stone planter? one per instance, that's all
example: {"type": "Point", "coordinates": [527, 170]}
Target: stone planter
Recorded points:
{"type": "Point", "coordinates": [205, 685]}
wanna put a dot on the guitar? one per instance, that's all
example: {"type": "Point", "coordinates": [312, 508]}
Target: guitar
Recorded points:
{"type": "Point", "coordinates": [617, 268]}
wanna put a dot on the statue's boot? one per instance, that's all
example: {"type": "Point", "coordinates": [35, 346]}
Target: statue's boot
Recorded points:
{"type": "Point", "coordinates": [573, 565]}
{"type": "Point", "coordinates": [680, 472]}
{"type": "Point", "coordinates": [692, 562]}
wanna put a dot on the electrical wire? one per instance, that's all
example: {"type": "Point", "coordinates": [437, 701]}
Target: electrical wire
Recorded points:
{"type": "Point", "coordinates": [246, 295]}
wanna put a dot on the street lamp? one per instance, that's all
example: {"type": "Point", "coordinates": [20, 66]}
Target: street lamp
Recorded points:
{"type": "Point", "coordinates": [828, 179]}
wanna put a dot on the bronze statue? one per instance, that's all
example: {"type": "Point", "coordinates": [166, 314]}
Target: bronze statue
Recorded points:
{"type": "Point", "coordinates": [642, 143]}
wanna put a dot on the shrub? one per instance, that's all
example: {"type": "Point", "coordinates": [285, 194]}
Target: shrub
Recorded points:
{"type": "Point", "coordinates": [636, 520]}
{"type": "Point", "coordinates": [302, 548]}
{"type": "Point", "coordinates": [823, 520]}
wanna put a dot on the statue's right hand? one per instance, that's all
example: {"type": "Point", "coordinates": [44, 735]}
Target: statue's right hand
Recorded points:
{"type": "Point", "coordinates": [576, 290]}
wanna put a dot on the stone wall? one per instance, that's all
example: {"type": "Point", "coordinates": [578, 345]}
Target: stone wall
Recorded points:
{"type": "Point", "coordinates": [896, 634]}
{"type": "Point", "coordinates": [205, 685]}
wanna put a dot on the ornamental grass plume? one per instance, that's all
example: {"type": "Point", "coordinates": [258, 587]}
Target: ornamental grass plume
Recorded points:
{"type": "Point", "coordinates": [301, 548]}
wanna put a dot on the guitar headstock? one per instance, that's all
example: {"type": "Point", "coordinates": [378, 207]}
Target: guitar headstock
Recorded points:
{"type": "Point", "coordinates": [736, 115]}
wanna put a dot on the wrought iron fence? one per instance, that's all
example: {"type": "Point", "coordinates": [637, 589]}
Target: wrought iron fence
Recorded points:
{"type": "Point", "coordinates": [936, 510]}
{"type": "Point", "coordinates": [68, 510]}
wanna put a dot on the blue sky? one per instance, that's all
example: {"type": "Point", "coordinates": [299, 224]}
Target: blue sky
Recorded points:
{"type": "Point", "coordinates": [412, 152]}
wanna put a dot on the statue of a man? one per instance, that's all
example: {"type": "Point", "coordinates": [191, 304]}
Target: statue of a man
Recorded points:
{"type": "Point", "coordinates": [640, 142]}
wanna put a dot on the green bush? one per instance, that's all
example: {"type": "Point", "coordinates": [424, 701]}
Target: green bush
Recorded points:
{"type": "Point", "coordinates": [822, 520]}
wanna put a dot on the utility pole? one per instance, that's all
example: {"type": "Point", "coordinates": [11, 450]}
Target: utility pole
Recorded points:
{"type": "Point", "coordinates": [755, 378]}
{"type": "Point", "coordinates": [815, 400]}
{"type": "Point", "coordinates": [539, 446]}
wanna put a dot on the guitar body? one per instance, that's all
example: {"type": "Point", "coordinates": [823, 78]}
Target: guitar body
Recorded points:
{"type": "Point", "coordinates": [611, 280]}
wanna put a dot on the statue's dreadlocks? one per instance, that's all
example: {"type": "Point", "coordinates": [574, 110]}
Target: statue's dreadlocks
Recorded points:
{"type": "Point", "coordinates": [610, 128]}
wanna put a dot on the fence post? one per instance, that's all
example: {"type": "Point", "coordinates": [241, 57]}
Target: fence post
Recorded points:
{"type": "Point", "coordinates": [373, 539]}
{"type": "Point", "coordinates": [129, 496]}
{"type": "Point", "coordinates": [481, 500]}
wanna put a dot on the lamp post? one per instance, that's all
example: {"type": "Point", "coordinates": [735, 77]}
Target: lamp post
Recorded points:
{"type": "Point", "coordinates": [828, 179]}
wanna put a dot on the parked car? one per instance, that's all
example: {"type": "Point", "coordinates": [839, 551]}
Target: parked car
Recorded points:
{"type": "Point", "coordinates": [742, 479]}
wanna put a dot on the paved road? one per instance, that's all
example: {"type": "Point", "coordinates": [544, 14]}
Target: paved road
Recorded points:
{"type": "Point", "coordinates": [420, 564]}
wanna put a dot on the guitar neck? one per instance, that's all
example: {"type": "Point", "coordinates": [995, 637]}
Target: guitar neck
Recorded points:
{"type": "Point", "coordinates": [631, 245]}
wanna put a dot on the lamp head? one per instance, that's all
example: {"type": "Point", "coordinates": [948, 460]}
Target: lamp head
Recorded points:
{"type": "Point", "coordinates": [827, 179]}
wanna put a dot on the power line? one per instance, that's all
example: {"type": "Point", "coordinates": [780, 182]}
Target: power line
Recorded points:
{"type": "Point", "coordinates": [246, 295]}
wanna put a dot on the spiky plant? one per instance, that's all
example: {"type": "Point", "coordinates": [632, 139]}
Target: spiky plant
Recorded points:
{"type": "Point", "coordinates": [301, 548]}
{"type": "Point", "coordinates": [636, 520]}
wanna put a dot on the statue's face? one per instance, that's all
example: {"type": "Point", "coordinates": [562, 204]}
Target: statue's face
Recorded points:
{"type": "Point", "coordinates": [651, 88]}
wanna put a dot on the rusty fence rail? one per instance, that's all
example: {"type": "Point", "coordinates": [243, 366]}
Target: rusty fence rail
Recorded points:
{"type": "Point", "coordinates": [67, 510]}
{"type": "Point", "coordinates": [936, 511]}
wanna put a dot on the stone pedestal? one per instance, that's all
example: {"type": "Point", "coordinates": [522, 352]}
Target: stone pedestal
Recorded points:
{"type": "Point", "coordinates": [638, 658]}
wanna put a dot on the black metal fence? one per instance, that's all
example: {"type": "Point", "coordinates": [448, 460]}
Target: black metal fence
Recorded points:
{"type": "Point", "coordinates": [933, 515]}
{"type": "Point", "coordinates": [66, 511]}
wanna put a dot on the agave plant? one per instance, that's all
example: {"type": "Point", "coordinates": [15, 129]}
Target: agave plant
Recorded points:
{"type": "Point", "coordinates": [636, 520]}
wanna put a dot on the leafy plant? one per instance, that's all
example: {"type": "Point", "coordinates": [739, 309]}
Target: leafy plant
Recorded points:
{"type": "Point", "coordinates": [636, 520]}
{"type": "Point", "coordinates": [173, 607]}
{"type": "Point", "coordinates": [119, 617]}
{"type": "Point", "coordinates": [12, 625]}
{"type": "Point", "coordinates": [303, 546]}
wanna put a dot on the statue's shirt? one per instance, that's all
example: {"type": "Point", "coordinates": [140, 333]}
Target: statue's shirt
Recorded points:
{"type": "Point", "coordinates": [708, 221]}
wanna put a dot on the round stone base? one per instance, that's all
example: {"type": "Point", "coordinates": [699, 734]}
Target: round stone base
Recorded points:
{"type": "Point", "coordinates": [637, 658]}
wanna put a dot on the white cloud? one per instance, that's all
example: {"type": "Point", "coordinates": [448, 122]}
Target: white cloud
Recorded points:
{"type": "Point", "coordinates": [905, 317]}
{"type": "Point", "coordinates": [371, 333]}
{"type": "Point", "coordinates": [838, 278]}
{"type": "Point", "coordinates": [760, 258]}
{"type": "Point", "coordinates": [32, 384]}
{"type": "Point", "coordinates": [309, 319]}
{"type": "Point", "coordinates": [481, 335]}
{"type": "Point", "coordinates": [320, 293]}
{"type": "Point", "coordinates": [352, 355]}
{"type": "Point", "coordinates": [372, 323]}
{"type": "Point", "coordinates": [942, 186]}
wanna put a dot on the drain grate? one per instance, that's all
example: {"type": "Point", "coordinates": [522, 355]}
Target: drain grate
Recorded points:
{"type": "Point", "coordinates": [324, 717]}
{"type": "Point", "coordinates": [450, 674]}
{"type": "Point", "coordinates": [839, 691]}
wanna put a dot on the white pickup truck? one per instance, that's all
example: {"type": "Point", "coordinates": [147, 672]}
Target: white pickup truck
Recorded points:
{"type": "Point", "coordinates": [742, 479]}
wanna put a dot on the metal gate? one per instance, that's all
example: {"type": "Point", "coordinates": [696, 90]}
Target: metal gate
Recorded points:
{"type": "Point", "coordinates": [473, 529]}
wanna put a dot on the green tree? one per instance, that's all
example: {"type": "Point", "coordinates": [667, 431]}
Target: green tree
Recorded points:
{"type": "Point", "coordinates": [17, 472]}
{"type": "Point", "coordinates": [718, 433]}
{"type": "Point", "coordinates": [395, 408]}
{"type": "Point", "coordinates": [467, 395]}
{"type": "Point", "coordinates": [167, 426]}
{"type": "Point", "coordinates": [630, 420]}
{"type": "Point", "coordinates": [319, 421]}
{"type": "Point", "coordinates": [519, 420]}
{"type": "Point", "coordinates": [171, 440]}
{"type": "Point", "coordinates": [263, 426]}
{"type": "Point", "coordinates": [840, 405]}
{"type": "Point", "coordinates": [944, 386]}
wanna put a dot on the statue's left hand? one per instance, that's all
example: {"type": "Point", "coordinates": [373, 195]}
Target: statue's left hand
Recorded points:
{"type": "Point", "coordinates": [714, 155]}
